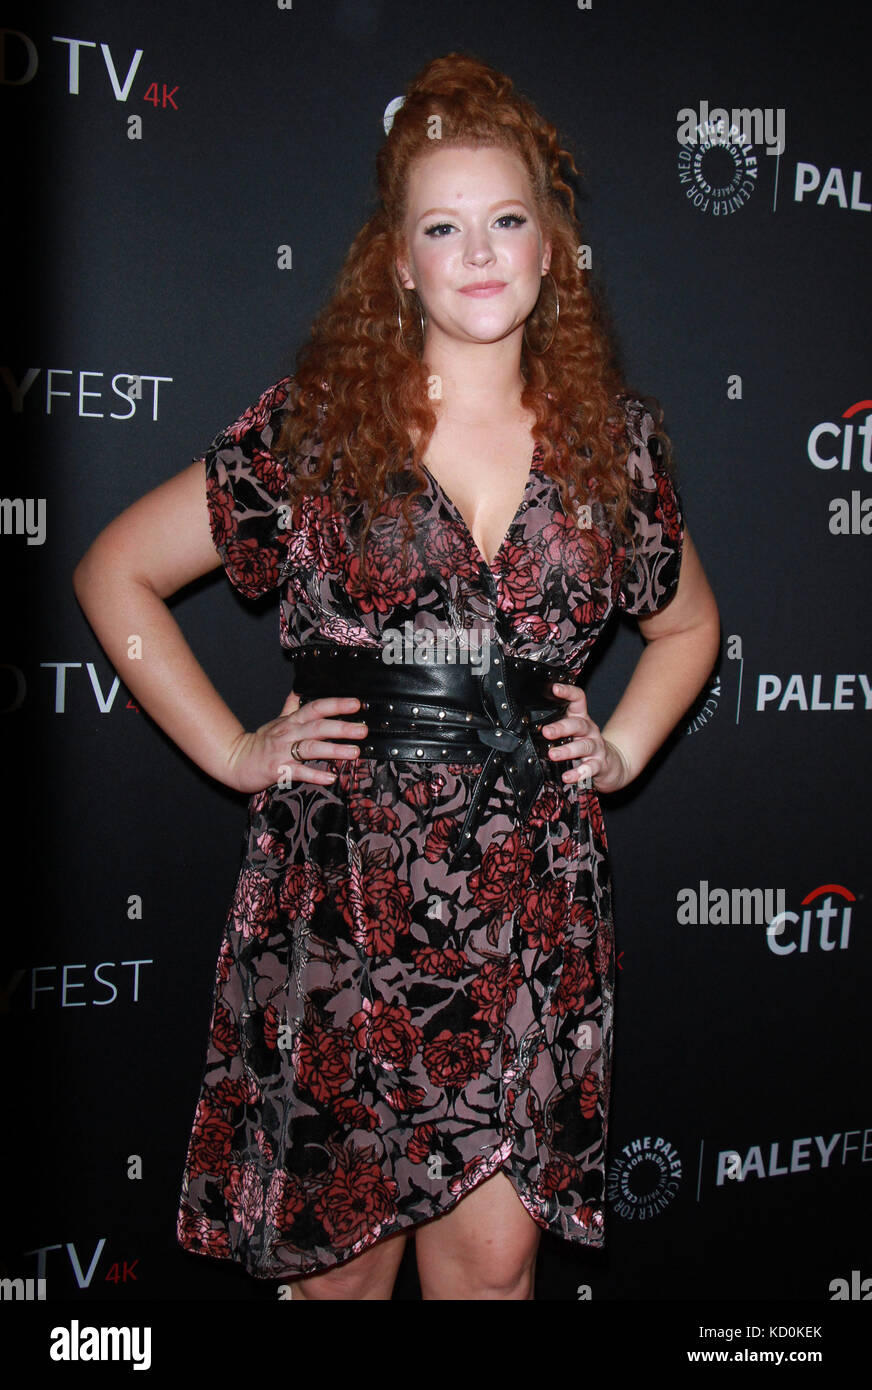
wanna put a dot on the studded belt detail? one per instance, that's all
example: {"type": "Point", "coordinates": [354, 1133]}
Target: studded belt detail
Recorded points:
{"type": "Point", "coordinates": [446, 712]}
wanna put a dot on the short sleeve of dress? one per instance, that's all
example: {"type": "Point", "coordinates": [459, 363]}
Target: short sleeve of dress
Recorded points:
{"type": "Point", "coordinates": [246, 495]}
{"type": "Point", "coordinates": [656, 519]}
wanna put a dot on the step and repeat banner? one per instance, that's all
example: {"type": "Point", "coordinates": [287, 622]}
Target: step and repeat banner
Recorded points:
{"type": "Point", "coordinates": [182, 184]}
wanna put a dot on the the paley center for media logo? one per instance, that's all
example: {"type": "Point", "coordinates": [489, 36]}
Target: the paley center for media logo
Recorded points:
{"type": "Point", "coordinates": [717, 160]}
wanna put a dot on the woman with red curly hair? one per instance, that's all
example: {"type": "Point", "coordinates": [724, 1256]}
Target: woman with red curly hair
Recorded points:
{"type": "Point", "coordinates": [453, 492]}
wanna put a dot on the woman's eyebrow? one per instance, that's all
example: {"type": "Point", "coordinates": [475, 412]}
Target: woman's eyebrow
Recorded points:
{"type": "Point", "coordinates": [502, 203]}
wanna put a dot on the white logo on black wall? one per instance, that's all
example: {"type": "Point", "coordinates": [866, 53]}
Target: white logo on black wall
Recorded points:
{"type": "Point", "coordinates": [717, 161]}
{"type": "Point", "coordinates": [782, 1158]}
{"type": "Point", "coordinates": [643, 1178]}
{"type": "Point", "coordinates": [846, 446]}
{"type": "Point", "coordinates": [77, 65]}
{"type": "Point", "coordinates": [833, 189]}
{"type": "Point", "coordinates": [820, 928]}
{"type": "Point", "coordinates": [825, 923]}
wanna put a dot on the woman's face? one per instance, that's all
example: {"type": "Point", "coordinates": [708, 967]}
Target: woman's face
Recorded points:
{"type": "Point", "coordinates": [474, 249]}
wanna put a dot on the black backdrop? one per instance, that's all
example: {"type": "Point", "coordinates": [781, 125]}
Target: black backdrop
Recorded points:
{"type": "Point", "coordinates": [158, 257]}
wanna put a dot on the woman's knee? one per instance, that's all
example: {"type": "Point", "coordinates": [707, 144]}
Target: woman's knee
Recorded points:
{"type": "Point", "coordinates": [496, 1271]}
{"type": "Point", "coordinates": [484, 1248]}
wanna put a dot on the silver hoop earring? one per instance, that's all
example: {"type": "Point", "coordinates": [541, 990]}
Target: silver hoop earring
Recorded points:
{"type": "Point", "coordinates": [539, 352]}
{"type": "Point", "coordinates": [400, 322]}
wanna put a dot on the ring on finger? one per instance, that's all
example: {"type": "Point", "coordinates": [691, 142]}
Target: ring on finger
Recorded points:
{"type": "Point", "coordinates": [295, 750]}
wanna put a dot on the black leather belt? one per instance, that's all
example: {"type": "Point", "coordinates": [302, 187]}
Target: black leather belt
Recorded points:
{"type": "Point", "coordinates": [450, 712]}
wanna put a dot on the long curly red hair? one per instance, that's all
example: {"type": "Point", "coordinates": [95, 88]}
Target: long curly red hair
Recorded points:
{"type": "Point", "coordinates": [360, 386]}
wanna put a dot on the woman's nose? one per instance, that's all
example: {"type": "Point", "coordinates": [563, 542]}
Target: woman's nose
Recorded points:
{"type": "Point", "coordinates": [479, 250]}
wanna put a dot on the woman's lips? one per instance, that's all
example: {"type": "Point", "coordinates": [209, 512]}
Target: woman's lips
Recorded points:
{"type": "Point", "coordinates": [487, 287]}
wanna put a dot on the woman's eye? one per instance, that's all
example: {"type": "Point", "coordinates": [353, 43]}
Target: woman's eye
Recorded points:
{"type": "Point", "coordinates": [438, 229]}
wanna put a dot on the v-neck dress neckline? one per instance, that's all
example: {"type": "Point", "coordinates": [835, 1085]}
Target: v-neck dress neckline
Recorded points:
{"type": "Point", "coordinates": [453, 507]}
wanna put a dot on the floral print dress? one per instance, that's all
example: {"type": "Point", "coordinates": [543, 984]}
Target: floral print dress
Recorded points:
{"type": "Point", "coordinates": [386, 1033]}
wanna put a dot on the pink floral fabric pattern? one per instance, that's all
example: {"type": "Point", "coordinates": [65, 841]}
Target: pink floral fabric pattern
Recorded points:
{"type": "Point", "coordinates": [386, 1034]}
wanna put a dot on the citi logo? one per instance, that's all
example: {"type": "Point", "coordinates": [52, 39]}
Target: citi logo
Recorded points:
{"type": "Point", "coordinates": [75, 1343]}
{"type": "Point", "coordinates": [846, 446]}
{"type": "Point", "coordinates": [820, 927]}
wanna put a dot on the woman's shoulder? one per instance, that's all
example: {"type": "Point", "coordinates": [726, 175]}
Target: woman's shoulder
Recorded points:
{"type": "Point", "coordinates": [263, 420]}
{"type": "Point", "coordinates": [640, 431]}
{"type": "Point", "coordinates": [261, 428]}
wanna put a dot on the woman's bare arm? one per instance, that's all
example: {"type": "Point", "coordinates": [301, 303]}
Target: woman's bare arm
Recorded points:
{"type": "Point", "coordinates": [681, 645]}
{"type": "Point", "coordinates": [151, 550]}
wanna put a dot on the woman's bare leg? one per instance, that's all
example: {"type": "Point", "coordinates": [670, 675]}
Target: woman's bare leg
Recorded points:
{"type": "Point", "coordinates": [484, 1248]}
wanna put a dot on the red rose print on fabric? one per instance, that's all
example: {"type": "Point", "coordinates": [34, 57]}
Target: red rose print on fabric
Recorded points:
{"type": "Point", "coordinates": [576, 982]}
{"type": "Point", "coordinates": [589, 1097]}
{"type": "Point", "coordinates": [285, 1199]}
{"type": "Point", "coordinates": [453, 1059]}
{"type": "Point", "coordinates": [404, 1098]}
{"type": "Point", "coordinates": [257, 416]}
{"type": "Point", "coordinates": [495, 990]}
{"type": "Point", "coordinates": [418, 1147]}
{"type": "Point", "coordinates": [256, 572]}
{"type": "Point", "coordinates": [375, 903]}
{"type": "Point", "coordinates": [323, 1061]}
{"type": "Point", "coordinates": [519, 575]}
{"type": "Point", "coordinates": [302, 888]}
{"type": "Point", "coordinates": [195, 1231]}
{"type": "Point", "coordinates": [564, 544]}
{"type": "Point", "coordinates": [270, 1025]}
{"type": "Point", "coordinates": [448, 963]}
{"type": "Point", "coordinates": [225, 1033]}
{"type": "Point", "coordinates": [317, 537]}
{"type": "Point", "coordinates": [446, 549]}
{"type": "Point", "coordinates": [556, 1176]}
{"type": "Point", "coordinates": [254, 907]}
{"type": "Point", "coordinates": [544, 914]}
{"type": "Point", "coordinates": [382, 820]}
{"type": "Point", "coordinates": [210, 1141]}
{"type": "Point", "coordinates": [440, 838]}
{"type": "Point", "coordinates": [244, 1193]}
{"type": "Point", "coordinates": [389, 582]}
{"type": "Point", "coordinates": [243, 1091]}
{"type": "Point", "coordinates": [353, 1115]}
{"type": "Point", "coordinates": [667, 504]}
{"type": "Point", "coordinates": [504, 870]}
{"type": "Point", "coordinates": [357, 1198]}
{"type": "Point", "coordinates": [387, 1033]}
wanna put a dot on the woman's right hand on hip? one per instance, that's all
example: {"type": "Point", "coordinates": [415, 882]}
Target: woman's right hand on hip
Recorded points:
{"type": "Point", "coordinates": [279, 752]}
